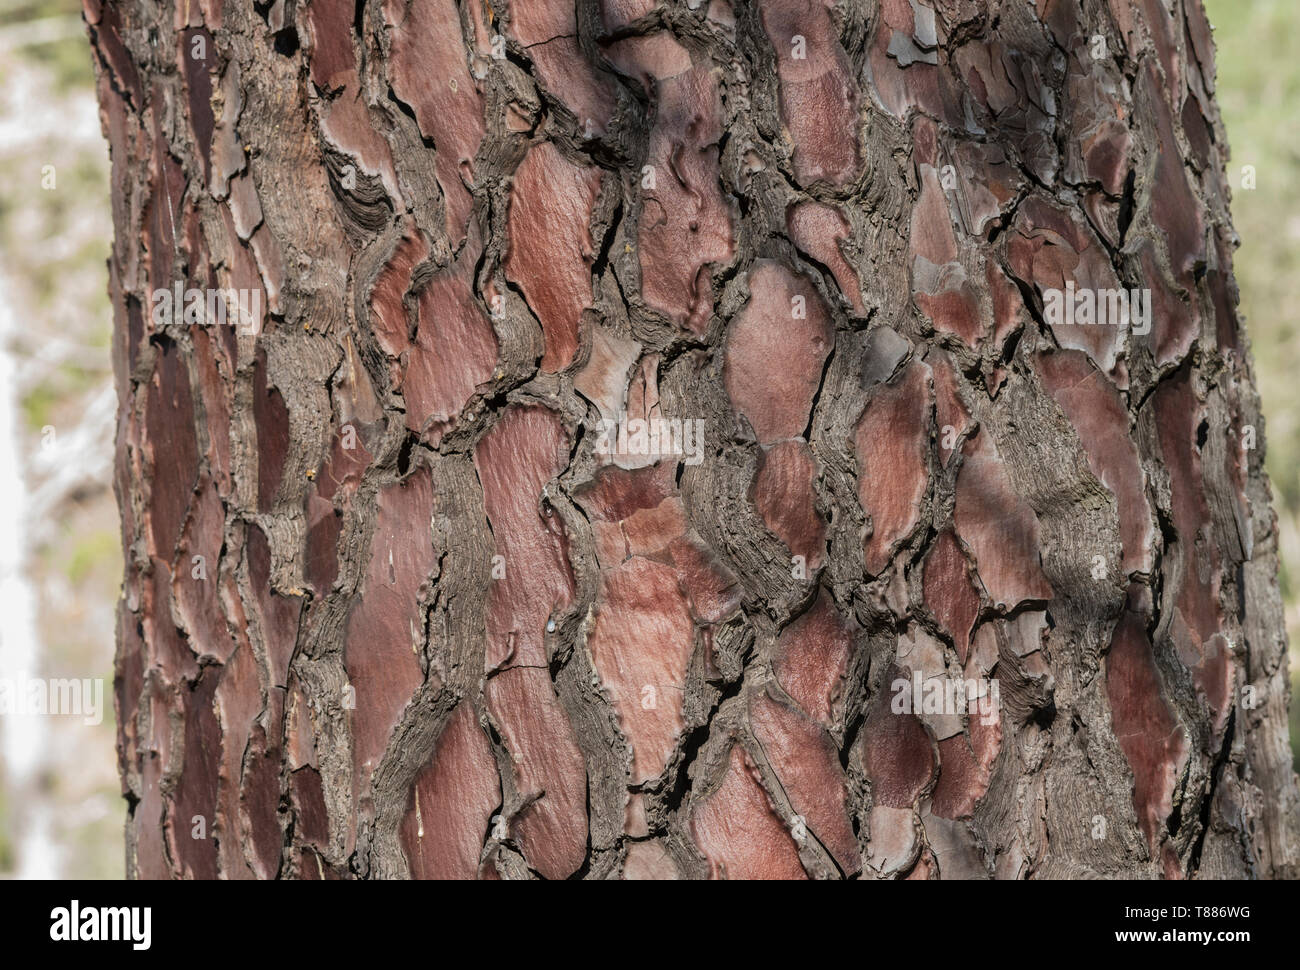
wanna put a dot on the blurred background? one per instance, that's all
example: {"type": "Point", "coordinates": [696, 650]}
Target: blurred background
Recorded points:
{"type": "Point", "coordinates": [61, 812]}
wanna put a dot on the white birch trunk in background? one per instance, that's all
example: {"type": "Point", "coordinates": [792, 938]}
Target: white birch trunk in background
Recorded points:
{"type": "Point", "coordinates": [23, 734]}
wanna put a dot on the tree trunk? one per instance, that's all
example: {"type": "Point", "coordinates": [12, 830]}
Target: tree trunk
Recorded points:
{"type": "Point", "coordinates": [671, 441]}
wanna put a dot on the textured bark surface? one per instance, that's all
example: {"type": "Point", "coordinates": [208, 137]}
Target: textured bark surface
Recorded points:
{"type": "Point", "coordinates": [445, 625]}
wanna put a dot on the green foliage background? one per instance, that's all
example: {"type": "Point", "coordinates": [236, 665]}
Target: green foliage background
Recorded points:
{"type": "Point", "coordinates": [1259, 95]}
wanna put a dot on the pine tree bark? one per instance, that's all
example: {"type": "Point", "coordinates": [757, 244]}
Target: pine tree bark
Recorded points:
{"type": "Point", "coordinates": [410, 591]}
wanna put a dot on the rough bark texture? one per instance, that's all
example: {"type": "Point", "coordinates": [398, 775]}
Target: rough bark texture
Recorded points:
{"type": "Point", "coordinates": [439, 630]}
